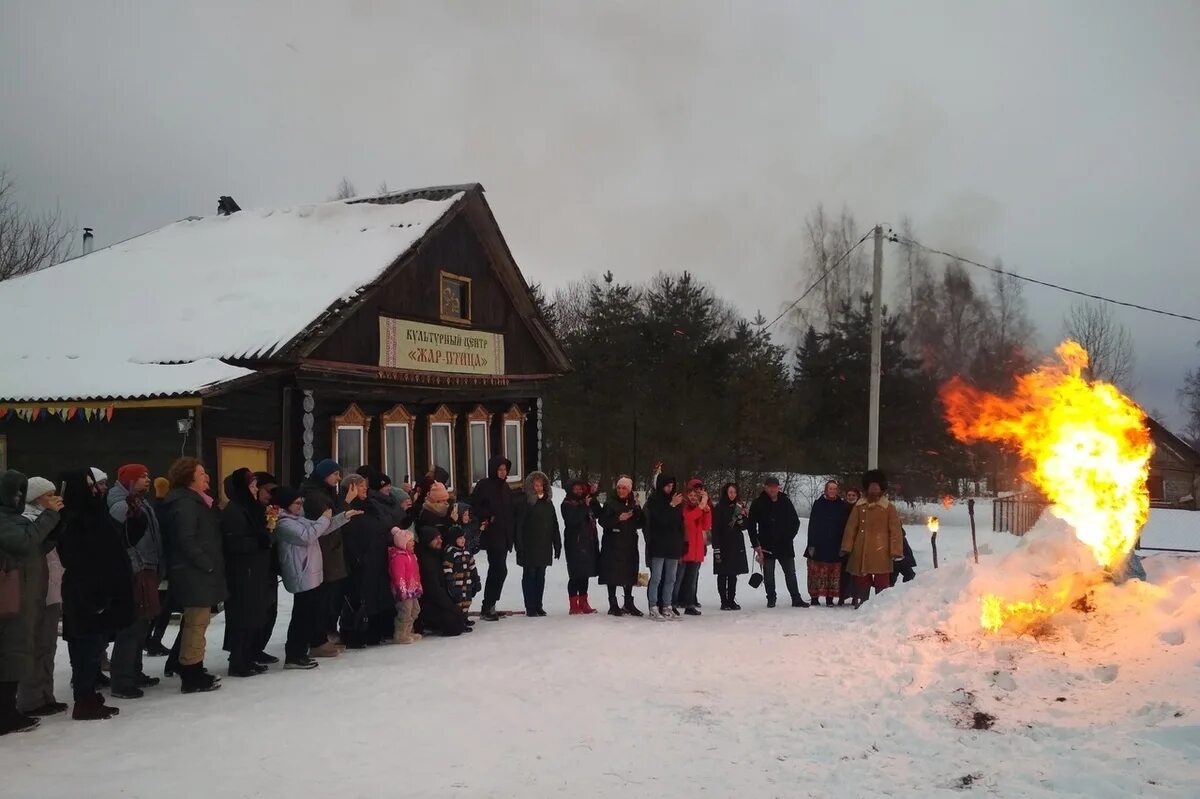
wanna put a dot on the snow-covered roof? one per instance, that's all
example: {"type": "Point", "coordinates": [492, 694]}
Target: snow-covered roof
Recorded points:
{"type": "Point", "coordinates": [45, 379]}
{"type": "Point", "coordinates": [238, 286]}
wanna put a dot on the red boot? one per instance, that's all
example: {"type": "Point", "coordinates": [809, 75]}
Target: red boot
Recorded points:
{"type": "Point", "coordinates": [575, 608]}
{"type": "Point", "coordinates": [584, 606]}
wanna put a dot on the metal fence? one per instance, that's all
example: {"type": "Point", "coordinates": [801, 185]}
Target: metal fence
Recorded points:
{"type": "Point", "coordinates": [1016, 514]}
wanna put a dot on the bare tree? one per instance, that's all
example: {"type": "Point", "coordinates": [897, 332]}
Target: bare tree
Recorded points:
{"type": "Point", "coordinates": [1012, 328]}
{"type": "Point", "coordinates": [1189, 398]}
{"type": "Point", "coordinates": [383, 189]}
{"type": "Point", "coordinates": [965, 317]}
{"type": "Point", "coordinates": [1107, 341]}
{"type": "Point", "coordinates": [916, 281]}
{"type": "Point", "coordinates": [827, 240]}
{"type": "Point", "coordinates": [28, 241]}
{"type": "Point", "coordinates": [345, 190]}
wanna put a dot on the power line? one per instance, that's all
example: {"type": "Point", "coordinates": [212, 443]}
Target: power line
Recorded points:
{"type": "Point", "coordinates": [901, 240]}
{"type": "Point", "coordinates": [820, 279]}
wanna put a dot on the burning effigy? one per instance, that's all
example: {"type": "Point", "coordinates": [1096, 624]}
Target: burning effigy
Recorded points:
{"type": "Point", "coordinates": [1086, 447]}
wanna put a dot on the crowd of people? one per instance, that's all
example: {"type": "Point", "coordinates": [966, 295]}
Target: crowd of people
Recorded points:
{"type": "Point", "coordinates": [369, 563]}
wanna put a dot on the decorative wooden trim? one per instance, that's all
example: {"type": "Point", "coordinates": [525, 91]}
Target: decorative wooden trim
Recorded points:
{"type": "Point", "coordinates": [352, 417]}
{"type": "Point", "coordinates": [478, 415]}
{"type": "Point", "coordinates": [514, 415]}
{"type": "Point", "coordinates": [467, 317]}
{"type": "Point", "coordinates": [176, 402]}
{"type": "Point", "coordinates": [245, 443]}
{"type": "Point", "coordinates": [396, 417]}
{"type": "Point", "coordinates": [443, 416]}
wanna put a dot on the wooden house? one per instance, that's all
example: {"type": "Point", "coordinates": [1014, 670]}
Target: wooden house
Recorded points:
{"type": "Point", "coordinates": [395, 331]}
{"type": "Point", "coordinates": [1174, 470]}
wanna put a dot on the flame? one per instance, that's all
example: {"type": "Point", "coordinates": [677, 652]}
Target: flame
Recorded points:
{"type": "Point", "coordinates": [947, 502]}
{"type": "Point", "coordinates": [1084, 444]}
{"type": "Point", "coordinates": [933, 523]}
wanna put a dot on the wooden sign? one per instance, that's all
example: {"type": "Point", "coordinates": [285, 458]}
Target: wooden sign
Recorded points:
{"type": "Point", "coordinates": [437, 348]}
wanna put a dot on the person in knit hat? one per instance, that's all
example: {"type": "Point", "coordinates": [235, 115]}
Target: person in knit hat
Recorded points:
{"type": "Point", "coordinates": [35, 693]}
{"type": "Point", "coordinates": [320, 493]}
{"type": "Point", "coordinates": [405, 576]}
{"type": "Point", "coordinates": [129, 506]}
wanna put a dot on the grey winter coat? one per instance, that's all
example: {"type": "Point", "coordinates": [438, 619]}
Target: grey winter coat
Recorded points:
{"type": "Point", "coordinates": [194, 549]}
{"type": "Point", "coordinates": [22, 548]}
{"type": "Point", "coordinates": [299, 540]}
{"type": "Point", "coordinates": [147, 553]}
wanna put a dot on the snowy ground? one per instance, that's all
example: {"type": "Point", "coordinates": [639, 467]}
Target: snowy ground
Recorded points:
{"type": "Point", "coordinates": [762, 703]}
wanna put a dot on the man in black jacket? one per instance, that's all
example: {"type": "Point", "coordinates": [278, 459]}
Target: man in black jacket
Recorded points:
{"type": "Point", "coordinates": [492, 501]}
{"type": "Point", "coordinates": [773, 524]}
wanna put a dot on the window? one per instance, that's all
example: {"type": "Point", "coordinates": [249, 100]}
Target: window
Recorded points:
{"type": "Point", "coordinates": [1157, 488]}
{"type": "Point", "coordinates": [514, 440]}
{"type": "Point", "coordinates": [397, 444]}
{"type": "Point", "coordinates": [350, 438]}
{"type": "Point", "coordinates": [441, 442]}
{"type": "Point", "coordinates": [479, 427]}
{"type": "Point", "coordinates": [455, 298]}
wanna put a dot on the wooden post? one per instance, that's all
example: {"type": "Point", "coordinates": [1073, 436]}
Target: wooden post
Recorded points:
{"type": "Point", "coordinates": [971, 513]}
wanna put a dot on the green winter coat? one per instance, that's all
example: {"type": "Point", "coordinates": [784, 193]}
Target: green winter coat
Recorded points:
{"type": "Point", "coordinates": [194, 548]}
{"type": "Point", "coordinates": [538, 540]}
{"type": "Point", "coordinates": [22, 548]}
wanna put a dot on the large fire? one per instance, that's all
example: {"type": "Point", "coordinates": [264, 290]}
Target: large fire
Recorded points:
{"type": "Point", "coordinates": [1084, 444]}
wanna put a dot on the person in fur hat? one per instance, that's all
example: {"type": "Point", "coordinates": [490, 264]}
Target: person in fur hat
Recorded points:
{"type": "Point", "coordinates": [538, 541]}
{"type": "Point", "coordinates": [440, 614]}
{"type": "Point", "coordinates": [872, 538]}
{"type": "Point", "coordinates": [405, 576]}
{"type": "Point", "coordinates": [621, 519]}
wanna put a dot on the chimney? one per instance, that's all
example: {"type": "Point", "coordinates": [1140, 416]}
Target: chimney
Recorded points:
{"type": "Point", "coordinates": [89, 241]}
{"type": "Point", "coordinates": [226, 206]}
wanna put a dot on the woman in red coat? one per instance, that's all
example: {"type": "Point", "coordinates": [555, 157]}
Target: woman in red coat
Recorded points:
{"type": "Point", "coordinates": [697, 522]}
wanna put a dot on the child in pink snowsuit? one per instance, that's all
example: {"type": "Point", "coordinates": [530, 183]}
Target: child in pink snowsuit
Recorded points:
{"type": "Point", "coordinates": [406, 584]}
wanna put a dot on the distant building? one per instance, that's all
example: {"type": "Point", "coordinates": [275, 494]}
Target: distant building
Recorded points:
{"type": "Point", "coordinates": [1174, 470]}
{"type": "Point", "coordinates": [395, 331]}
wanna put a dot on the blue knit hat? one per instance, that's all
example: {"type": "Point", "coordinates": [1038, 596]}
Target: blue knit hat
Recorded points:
{"type": "Point", "coordinates": [326, 468]}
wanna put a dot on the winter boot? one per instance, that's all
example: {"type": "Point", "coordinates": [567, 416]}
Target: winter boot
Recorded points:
{"type": "Point", "coordinates": [613, 608]}
{"type": "Point", "coordinates": [304, 664]}
{"type": "Point", "coordinates": [575, 609]}
{"type": "Point", "coordinates": [195, 680]}
{"type": "Point", "coordinates": [585, 607]}
{"type": "Point", "coordinates": [630, 608]}
{"type": "Point", "coordinates": [656, 614]}
{"type": "Point", "coordinates": [691, 610]}
{"type": "Point", "coordinates": [488, 613]}
{"type": "Point", "coordinates": [798, 602]}
{"type": "Point", "coordinates": [326, 650]}
{"type": "Point", "coordinates": [92, 708]}
{"type": "Point", "coordinates": [670, 614]}
{"type": "Point", "coordinates": [828, 601]}
{"type": "Point", "coordinates": [10, 719]}
{"type": "Point", "coordinates": [263, 659]}
{"type": "Point", "coordinates": [49, 709]}
{"type": "Point", "coordinates": [770, 601]}
{"type": "Point", "coordinates": [733, 605]}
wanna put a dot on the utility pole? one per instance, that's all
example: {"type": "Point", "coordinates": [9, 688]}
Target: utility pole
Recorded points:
{"type": "Point", "coordinates": [876, 347]}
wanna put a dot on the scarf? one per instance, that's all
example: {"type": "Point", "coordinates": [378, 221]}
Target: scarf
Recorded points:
{"type": "Point", "coordinates": [208, 501]}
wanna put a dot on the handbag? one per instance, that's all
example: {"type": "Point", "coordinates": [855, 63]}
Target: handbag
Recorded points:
{"type": "Point", "coordinates": [643, 579]}
{"type": "Point", "coordinates": [756, 579]}
{"type": "Point", "coordinates": [10, 593]}
{"type": "Point", "coordinates": [145, 594]}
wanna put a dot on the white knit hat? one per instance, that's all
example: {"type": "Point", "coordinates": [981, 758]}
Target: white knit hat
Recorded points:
{"type": "Point", "coordinates": [99, 476]}
{"type": "Point", "coordinates": [38, 488]}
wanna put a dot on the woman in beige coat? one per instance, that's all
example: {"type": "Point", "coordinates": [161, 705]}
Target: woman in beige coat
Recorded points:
{"type": "Point", "coordinates": [872, 538]}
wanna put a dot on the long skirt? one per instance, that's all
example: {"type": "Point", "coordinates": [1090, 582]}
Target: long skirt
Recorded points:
{"type": "Point", "coordinates": [824, 579]}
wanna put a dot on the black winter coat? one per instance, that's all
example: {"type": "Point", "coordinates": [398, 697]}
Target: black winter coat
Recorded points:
{"type": "Point", "coordinates": [367, 538]}
{"type": "Point", "coordinates": [194, 549]}
{"type": "Point", "coordinates": [729, 538]}
{"type": "Point", "coordinates": [580, 540]}
{"type": "Point", "coordinates": [826, 524]}
{"type": "Point", "coordinates": [619, 550]}
{"type": "Point", "coordinates": [249, 573]}
{"type": "Point", "coordinates": [98, 579]}
{"type": "Point", "coordinates": [439, 613]}
{"type": "Point", "coordinates": [318, 498]}
{"type": "Point", "coordinates": [493, 502]}
{"type": "Point", "coordinates": [538, 541]}
{"type": "Point", "coordinates": [665, 537]}
{"type": "Point", "coordinates": [773, 525]}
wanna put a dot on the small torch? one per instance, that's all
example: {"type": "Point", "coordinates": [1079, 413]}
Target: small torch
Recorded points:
{"type": "Point", "coordinates": [933, 525]}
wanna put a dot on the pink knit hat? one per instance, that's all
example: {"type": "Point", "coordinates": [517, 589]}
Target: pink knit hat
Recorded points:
{"type": "Point", "coordinates": [401, 538]}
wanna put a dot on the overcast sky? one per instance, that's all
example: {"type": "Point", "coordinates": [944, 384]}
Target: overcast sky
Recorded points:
{"type": "Point", "coordinates": [1061, 137]}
